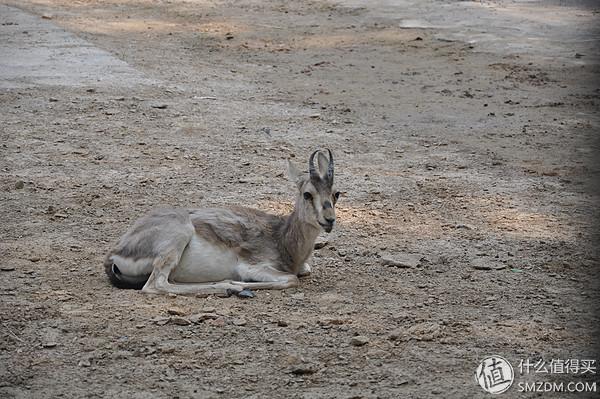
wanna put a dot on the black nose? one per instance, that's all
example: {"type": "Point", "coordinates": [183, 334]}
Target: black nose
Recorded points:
{"type": "Point", "coordinates": [330, 220]}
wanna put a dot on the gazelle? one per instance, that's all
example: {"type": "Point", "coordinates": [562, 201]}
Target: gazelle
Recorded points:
{"type": "Point", "coordinates": [224, 251]}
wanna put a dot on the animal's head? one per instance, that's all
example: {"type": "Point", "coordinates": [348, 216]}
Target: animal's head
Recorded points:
{"type": "Point", "coordinates": [316, 194]}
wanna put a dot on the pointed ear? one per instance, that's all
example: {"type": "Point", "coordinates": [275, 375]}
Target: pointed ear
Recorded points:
{"type": "Point", "coordinates": [323, 163]}
{"type": "Point", "coordinates": [294, 173]}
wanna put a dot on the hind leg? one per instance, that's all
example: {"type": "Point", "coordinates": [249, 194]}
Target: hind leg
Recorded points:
{"type": "Point", "coordinates": [158, 282]}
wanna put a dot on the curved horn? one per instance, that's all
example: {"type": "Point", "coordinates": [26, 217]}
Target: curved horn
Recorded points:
{"type": "Point", "coordinates": [330, 169]}
{"type": "Point", "coordinates": [311, 166]}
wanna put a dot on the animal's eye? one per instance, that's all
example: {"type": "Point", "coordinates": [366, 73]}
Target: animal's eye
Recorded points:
{"type": "Point", "coordinates": [337, 195]}
{"type": "Point", "coordinates": [307, 196]}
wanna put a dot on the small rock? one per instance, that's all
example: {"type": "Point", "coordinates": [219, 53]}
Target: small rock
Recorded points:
{"type": "Point", "coordinates": [463, 226]}
{"type": "Point", "coordinates": [282, 323]}
{"type": "Point", "coordinates": [180, 321]}
{"type": "Point", "coordinates": [200, 317]}
{"type": "Point", "coordinates": [140, 326]}
{"type": "Point", "coordinates": [84, 363]}
{"type": "Point", "coordinates": [49, 344]}
{"type": "Point", "coordinates": [161, 321]}
{"type": "Point", "coordinates": [159, 106]}
{"type": "Point", "coordinates": [246, 293]}
{"type": "Point", "coordinates": [359, 340]}
{"type": "Point", "coordinates": [481, 267]}
{"type": "Point", "coordinates": [19, 184]}
{"type": "Point", "coordinates": [303, 369]}
{"type": "Point", "coordinates": [34, 258]}
{"type": "Point", "coordinates": [7, 268]}
{"type": "Point", "coordinates": [239, 322]}
{"type": "Point", "coordinates": [61, 215]}
{"type": "Point", "coordinates": [334, 321]}
{"type": "Point", "coordinates": [167, 349]}
{"type": "Point", "coordinates": [321, 244]}
{"type": "Point", "coordinates": [53, 99]}
{"type": "Point", "coordinates": [218, 322]}
{"type": "Point", "coordinates": [401, 260]}
{"type": "Point", "coordinates": [176, 311]}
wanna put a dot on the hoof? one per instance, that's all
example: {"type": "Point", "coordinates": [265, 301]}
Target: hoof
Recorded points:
{"type": "Point", "coordinates": [246, 293]}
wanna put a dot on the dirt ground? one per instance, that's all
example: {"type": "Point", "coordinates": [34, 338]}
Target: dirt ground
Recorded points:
{"type": "Point", "coordinates": [471, 160]}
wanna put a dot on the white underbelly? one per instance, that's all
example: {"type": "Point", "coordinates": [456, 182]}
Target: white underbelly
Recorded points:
{"type": "Point", "coordinates": [203, 261]}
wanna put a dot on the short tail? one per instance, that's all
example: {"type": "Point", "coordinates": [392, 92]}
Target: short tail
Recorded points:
{"type": "Point", "coordinates": [121, 280]}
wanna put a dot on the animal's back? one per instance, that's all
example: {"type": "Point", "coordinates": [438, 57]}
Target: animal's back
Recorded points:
{"type": "Point", "coordinates": [249, 232]}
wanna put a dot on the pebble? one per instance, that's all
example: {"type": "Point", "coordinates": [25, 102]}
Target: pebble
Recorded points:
{"type": "Point", "coordinates": [84, 363]}
{"type": "Point", "coordinates": [7, 268]}
{"type": "Point", "coordinates": [282, 323]}
{"type": "Point", "coordinates": [176, 311]}
{"type": "Point", "coordinates": [200, 317]}
{"type": "Point", "coordinates": [239, 322]}
{"type": "Point", "coordinates": [19, 184]}
{"type": "Point", "coordinates": [167, 349]}
{"type": "Point", "coordinates": [359, 340]}
{"type": "Point", "coordinates": [180, 321]}
{"type": "Point", "coordinates": [463, 226]}
{"type": "Point", "coordinates": [405, 261]}
{"type": "Point", "coordinates": [321, 244]}
{"type": "Point", "coordinates": [218, 322]}
{"type": "Point", "coordinates": [303, 369]}
{"type": "Point", "coordinates": [49, 344]}
{"type": "Point", "coordinates": [161, 321]}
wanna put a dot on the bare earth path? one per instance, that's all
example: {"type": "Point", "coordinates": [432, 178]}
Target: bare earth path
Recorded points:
{"type": "Point", "coordinates": [464, 135]}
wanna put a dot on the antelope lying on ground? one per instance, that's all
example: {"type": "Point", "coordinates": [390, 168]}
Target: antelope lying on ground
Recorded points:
{"type": "Point", "coordinates": [224, 251]}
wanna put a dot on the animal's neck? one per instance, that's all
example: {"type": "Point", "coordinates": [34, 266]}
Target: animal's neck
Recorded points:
{"type": "Point", "coordinates": [298, 239]}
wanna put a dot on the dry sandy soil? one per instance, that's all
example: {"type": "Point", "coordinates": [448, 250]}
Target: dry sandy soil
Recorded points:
{"type": "Point", "coordinates": [472, 160]}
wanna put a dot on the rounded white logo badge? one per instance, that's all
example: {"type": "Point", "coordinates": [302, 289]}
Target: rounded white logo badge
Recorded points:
{"type": "Point", "coordinates": [495, 374]}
